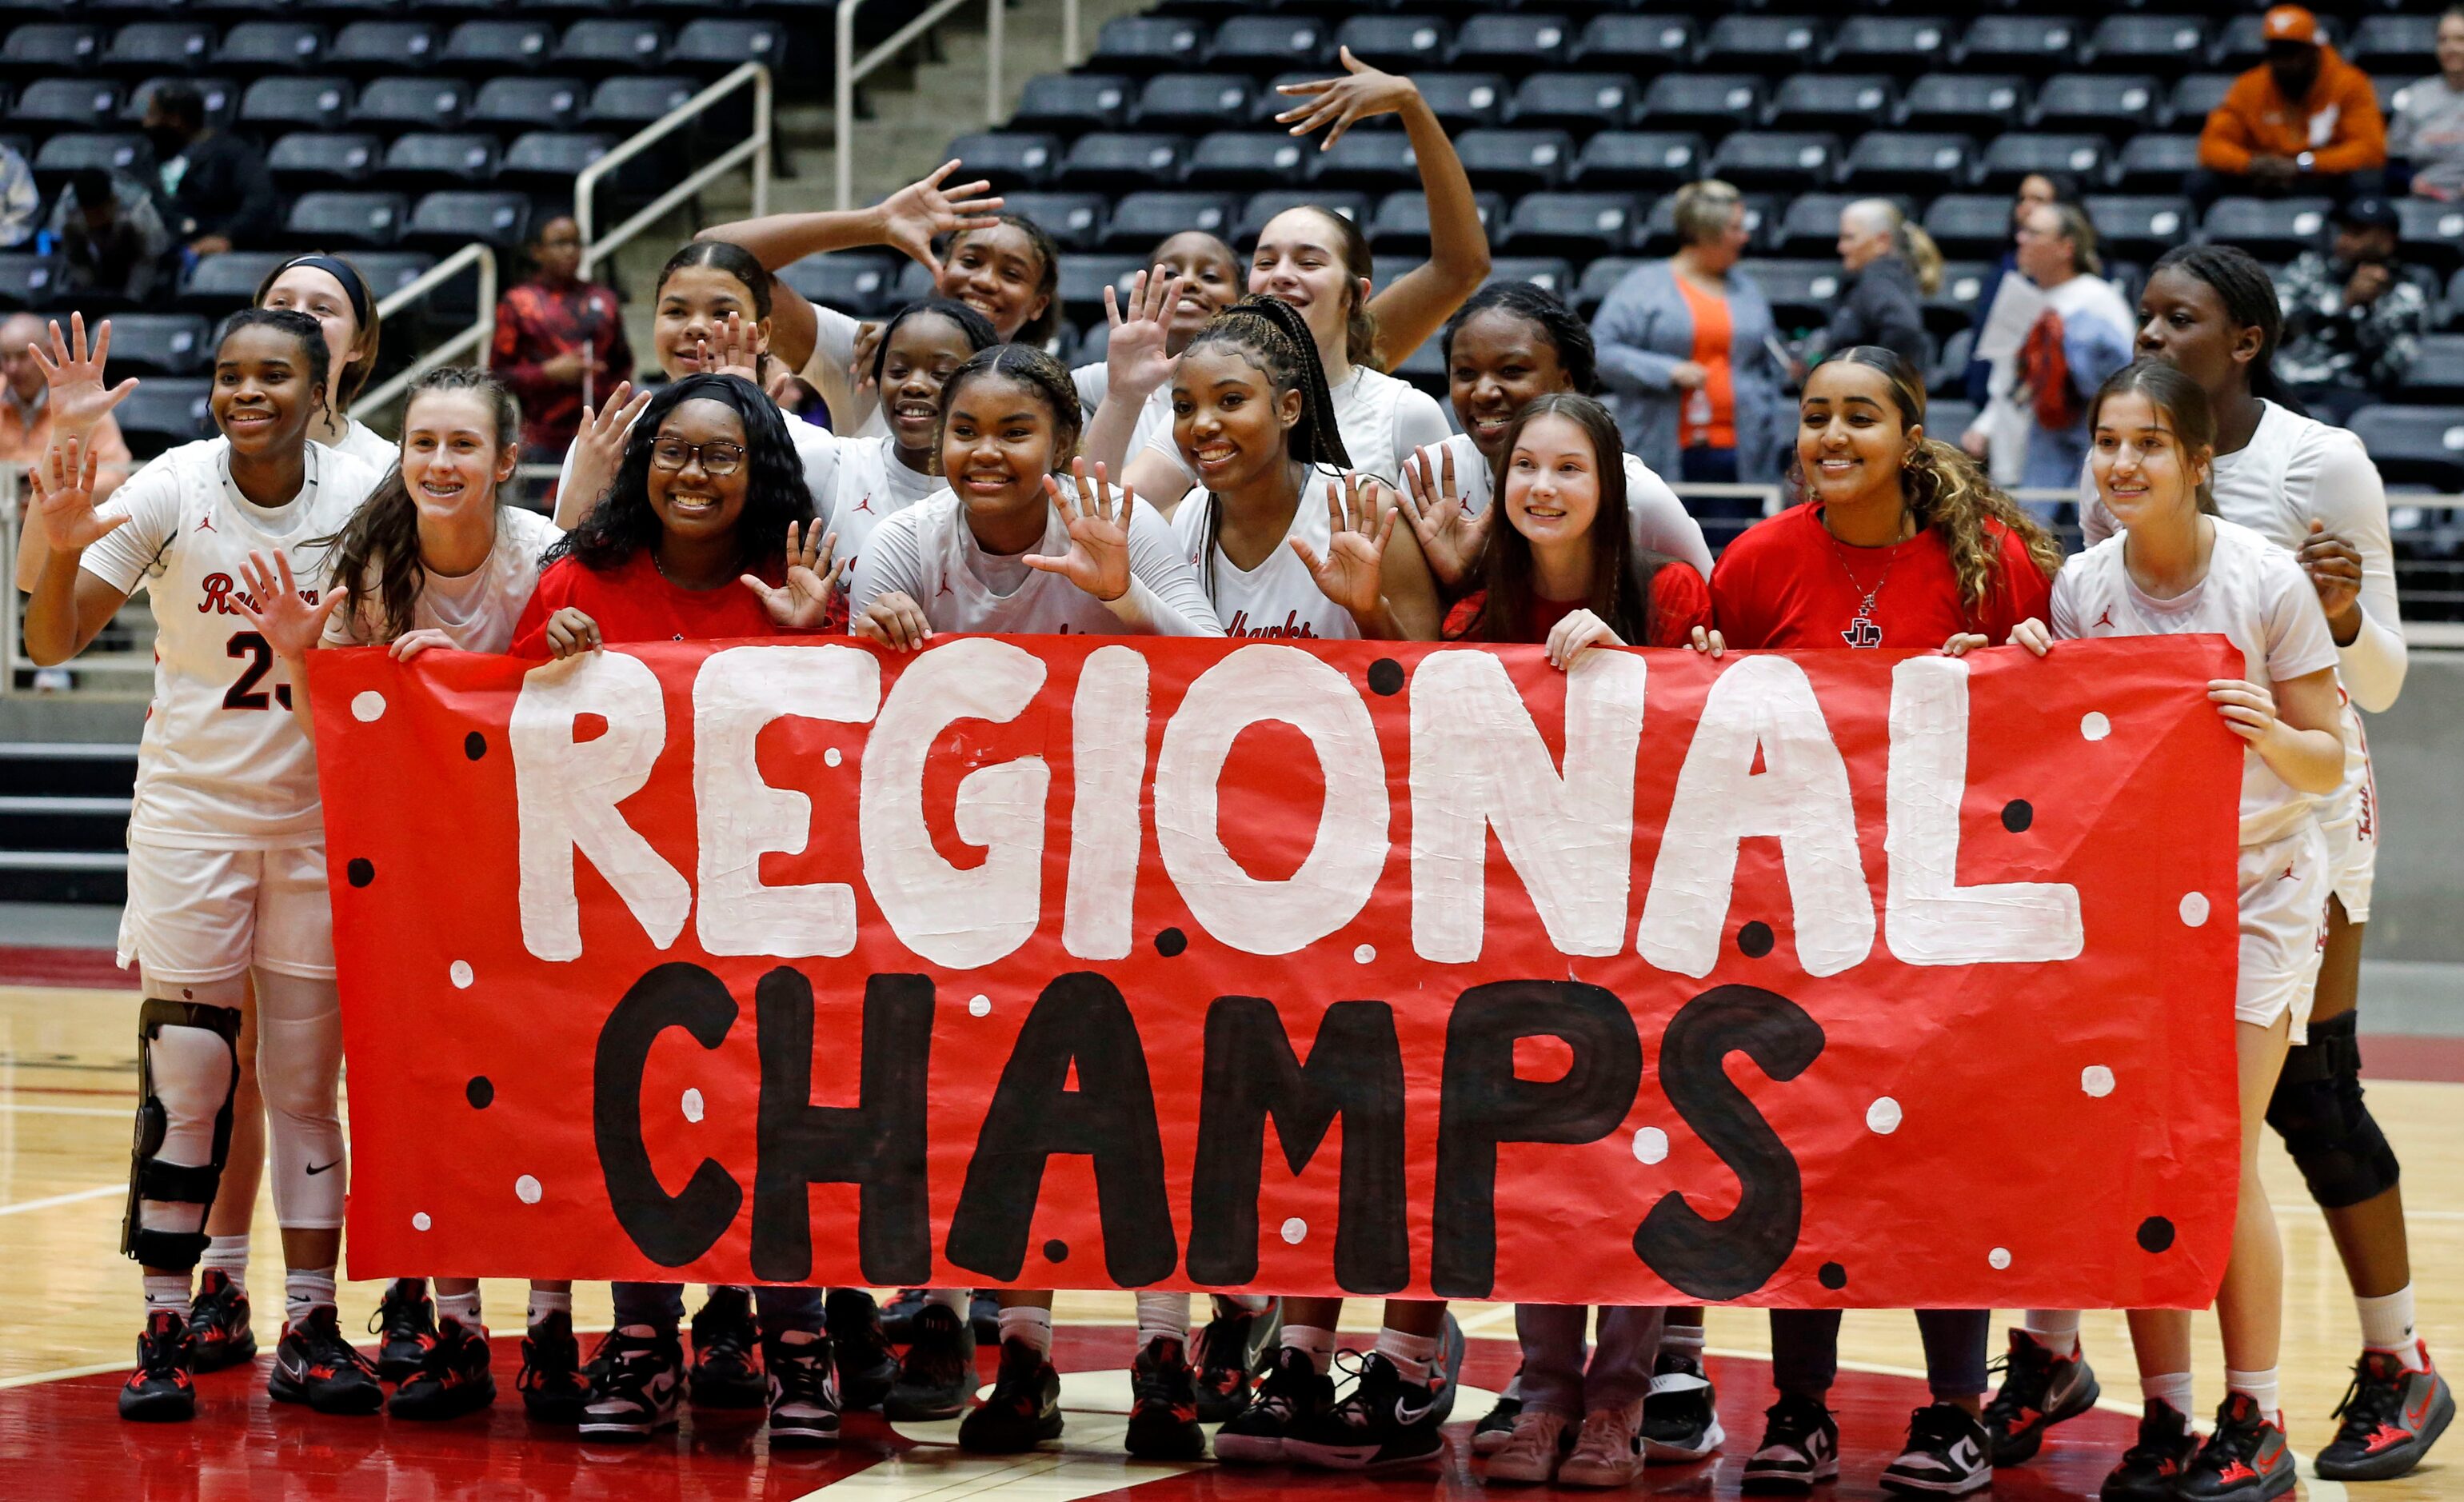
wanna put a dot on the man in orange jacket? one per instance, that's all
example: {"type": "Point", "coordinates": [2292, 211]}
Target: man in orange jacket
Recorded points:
{"type": "Point", "coordinates": [2303, 122]}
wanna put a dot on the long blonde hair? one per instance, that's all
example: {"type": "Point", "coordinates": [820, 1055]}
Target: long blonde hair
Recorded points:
{"type": "Point", "coordinates": [1908, 241]}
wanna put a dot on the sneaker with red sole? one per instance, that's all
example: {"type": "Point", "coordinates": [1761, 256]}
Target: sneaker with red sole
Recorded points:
{"type": "Point", "coordinates": [2039, 1390]}
{"type": "Point", "coordinates": [219, 1334]}
{"type": "Point", "coordinates": [453, 1381]}
{"type": "Point", "coordinates": [314, 1365]}
{"type": "Point", "coordinates": [2246, 1459]}
{"type": "Point", "coordinates": [163, 1389]}
{"type": "Point", "coordinates": [2391, 1415]}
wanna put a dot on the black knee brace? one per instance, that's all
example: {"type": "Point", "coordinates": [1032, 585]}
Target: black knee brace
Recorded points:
{"type": "Point", "coordinates": [149, 1176]}
{"type": "Point", "coordinates": [2319, 1112]}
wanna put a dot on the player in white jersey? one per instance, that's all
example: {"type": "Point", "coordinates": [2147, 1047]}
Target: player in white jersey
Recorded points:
{"type": "Point", "coordinates": [875, 478]}
{"type": "Point", "coordinates": [2212, 311]}
{"type": "Point", "coordinates": [2177, 568]}
{"type": "Point", "coordinates": [1278, 558]}
{"type": "Point", "coordinates": [227, 861]}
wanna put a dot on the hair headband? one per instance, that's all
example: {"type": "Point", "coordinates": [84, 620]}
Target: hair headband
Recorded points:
{"type": "Point", "coordinates": [340, 271]}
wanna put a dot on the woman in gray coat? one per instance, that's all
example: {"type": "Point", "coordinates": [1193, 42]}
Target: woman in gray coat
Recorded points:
{"type": "Point", "coordinates": [1693, 406]}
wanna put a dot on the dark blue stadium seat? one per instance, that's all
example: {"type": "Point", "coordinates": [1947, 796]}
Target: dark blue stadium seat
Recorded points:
{"type": "Point", "coordinates": [1599, 279]}
{"type": "Point", "coordinates": [637, 100]}
{"type": "Point", "coordinates": [1406, 44]}
{"type": "Point", "coordinates": [1262, 207]}
{"type": "Point", "coordinates": [1142, 221]}
{"type": "Point", "coordinates": [67, 104]}
{"type": "Point", "coordinates": [219, 285]}
{"type": "Point", "coordinates": [75, 151]}
{"type": "Point", "coordinates": [2195, 97]}
{"type": "Point", "coordinates": [379, 47]}
{"type": "Point", "coordinates": [1917, 160]}
{"type": "Point", "coordinates": [1801, 292]}
{"type": "Point", "coordinates": [517, 103]}
{"type": "Point", "coordinates": [2156, 164]}
{"type": "Point", "coordinates": [1642, 45]}
{"type": "Point", "coordinates": [1124, 160]}
{"type": "Point", "coordinates": [1070, 103]}
{"type": "Point", "coordinates": [1247, 159]}
{"type": "Point", "coordinates": [1150, 44]}
{"type": "Point", "coordinates": [1577, 101]}
{"type": "Point", "coordinates": [2114, 104]}
{"type": "Point", "coordinates": [1950, 306]}
{"type": "Point", "coordinates": [1809, 226]}
{"type": "Point", "coordinates": [2142, 226]}
{"type": "Point", "coordinates": [2019, 44]}
{"type": "Point", "coordinates": [155, 46]}
{"type": "Point", "coordinates": [1516, 161]}
{"type": "Point", "coordinates": [1465, 100]}
{"type": "Point", "coordinates": [2139, 43]}
{"type": "Point", "coordinates": [162, 413]}
{"type": "Point", "coordinates": [453, 218]}
{"type": "Point", "coordinates": [611, 44]}
{"type": "Point", "coordinates": [1900, 44]}
{"type": "Point", "coordinates": [1401, 222]}
{"type": "Point", "coordinates": [2271, 229]}
{"type": "Point", "coordinates": [2016, 154]}
{"type": "Point", "coordinates": [1193, 104]}
{"type": "Point", "coordinates": [1973, 103]}
{"type": "Point", "coordinates": [1270, 43]}
{"type": "Point", "coordinates": [1512, 44]}
{"type": "Point", "coordinates": [158, 343]}
{"type": "Point", "coordinates": [551, 157]}
{"type": "Point", "coordinates": [1369, 160]}
{"type": "Point", "coordinates": [852, 282]}
{"type": "Point", "coordinates": [417, 159]}
{"type": "Point", "coordinates": [39, 48]}
{"type": "Point", "coordinates": [1084, 278]}
{"type": "Point", "coordinates": [498, 45]}
{"type": "Point", "coordinates": [1766, 44]}
{"type": "Point", "coordinates": [2432, 233]}
{"type": "Point", "coordinates": [2242, 44]}
{"type": "Point", "coordinates": [254, 47]}
{"type": "Point", "coordinates": [219, 96]}
{"type": "Point", "coordinates": [412, 103]}
{"type": "Point", "coordinates": [1710, 102]}
{"type": "Point", "coordinates": [1579, 224]}
{"type": "Point", "coordinates": [1639, 159]}
{"type": "Point", "coordinates": [2414, 444]}
{"type": "Point", "coordinates": [374, 220]}
{"type": "Point", "coordinates": [1009, 158]}
{"type": "Point", "coordinates": [1075, 220]}
{"type": "Point", "coordinates": [304, 103]}
{"type": "Point", "coordinates": [2397, 44]}
{"type": "Point", "coordinates": [719, 43]}
{"type": "Point", "coordinates": [1970, 223]}
{"type": "Point", "coordinates": [1846, 102]}
{"type": "Point", "coordinates": [1787, 159]}
{"type": "Point", "coordinates": [389, 272]}
{"type": "Point", "coordinates": [2436, 373]}
{"type": "Point", "coordinates": [1548, 273]}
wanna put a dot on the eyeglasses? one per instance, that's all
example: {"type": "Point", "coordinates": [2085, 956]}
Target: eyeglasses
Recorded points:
{"type": "Point", "coordinates": [718, 459]}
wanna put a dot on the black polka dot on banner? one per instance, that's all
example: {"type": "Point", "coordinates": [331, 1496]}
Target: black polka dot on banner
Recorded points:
{"type": "Point", "coordinates": [2155, 1235]}
{"type": "Point", "coordinates": [481, 1092]}
{"type": "Point", "coordinates": [359, 871]}
{"type": "Point", "coordinates": [1833, 1275]}
{"type": "Point", "coordinates": [1056, 1251]}
{"type": "Point", "coordinates": [1170, 942]}
{"type": "Point", "coordinates": [475, 745]}
{"type": "Point", "coordinates": [1754, 940]}
{"type": "Point", "coordinates": [1386, 677]}
{"type": "Point", "coordinates": [2017, 815]}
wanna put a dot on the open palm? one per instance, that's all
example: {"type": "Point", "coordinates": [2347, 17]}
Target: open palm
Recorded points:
{"type": "Point", "coordinates": [63, 486]}
{"type": "Point", "coordinates": [77, 398]}
{"type": "Point", "coordinates": [1452, 537]}
{"type": "Point", "coordinates": [917, 215]}
{"type": "Point", "coordinates": [290, 625]}
{"type": "Point", "coordinates": [1352, 573]}
{"type": "Point", "coordinates": [1098, 559]}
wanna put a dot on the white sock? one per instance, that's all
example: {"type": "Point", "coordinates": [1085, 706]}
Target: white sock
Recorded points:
{"type": "Point", "coordinates": [1412, 1355]}
{"type": "Point", "coordinates": [953, 1299]}
{"type": "Point", "coordinates": [306, 1290]}
{"type": "Point", "coordinates": [463, 1309]}
{"type": "Point", "coordinates": [544, 1303]}
{"type": "Point", "coordinates": [2056, 1330]}
{"type": "Point", "coordinates": [227, 1255]}
{"type": "Point", "coordinates": [166, 1292]}
{"type": "Point", "coordinates": [1685, 1341]}
{"type": "Point", "coordinates": [1164, 1315]}
{"type": "Point", "coordinates": [1319, 1344]}
{"type": "Point", "coordinates": [2172, 1388]}
{"type": "Point", "coordinates": [2259, 1388]}
{"type": "Point", "coordinates": [1033, 1326]}
{"type": "Point", "coordinates": [2386, 1325]}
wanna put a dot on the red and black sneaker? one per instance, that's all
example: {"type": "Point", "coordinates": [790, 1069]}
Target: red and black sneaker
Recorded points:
{"type": "Point", "coordinates": [2039, 1390]}
{"type": "Point", "coordinates": [1231, 1355]}
{"type": "Point", "coordinates": [1163, 1404]}
{"type": "Point", "coordinates": [453, 1381]}
{"type": "Point", "coordinates": [2247, 1459]}
{"type": "Point", "coordinates": [218, 1328]}
{"type": "Point", "coordinates": [553, 1385]}
{"type": "Point", "coordinates": [160, 1390]}
{"type": "Point", "coordinates": [314, 1365]}
{"type": "Point", "coordinates": [2152, 1465]}
{"type": "Point", "coordinates": [725, 1373]}
{"type": "Point", "coordinates": [404, 1325]}
{"type": "Point", "coordinates": [2391, 1416]}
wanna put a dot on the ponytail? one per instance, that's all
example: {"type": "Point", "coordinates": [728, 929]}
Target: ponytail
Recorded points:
{"type": "Point", "coordinates": [1922, 256]}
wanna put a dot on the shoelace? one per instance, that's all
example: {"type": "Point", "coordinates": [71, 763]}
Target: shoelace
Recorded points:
{"type": "Point", "coordinates": [158, 1347]}
{"type": "Point", "coordinates": [2368, 1403]}
{"type": "Point", "coordinates": [2230, 1443]}
{"type": "Point", "coordinates": [398, 1315]}
{"type": "Point", "coordinates": [801, 1372]}
{"type": "Point", "coordinates": [323, 1338]}
{"type": "Point", "coordinates": [1792, 1424]}
{"type": "Point", "coordinates": [1284, 1388]}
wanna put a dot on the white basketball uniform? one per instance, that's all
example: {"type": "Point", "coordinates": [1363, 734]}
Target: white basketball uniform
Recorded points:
{"type": "Point", "coordinates": [2255, 595]}
{"type": "Point", "coordinates": [1155, 417]}
{"type": "Point", "coordinates": [366, 445]}
{"type": "Point", "coordinates": [478, 609]}
{"type": "Point", "coordinates": [868, 485]}
{"type": "Point", "coordinates": [1279, 597]}
{"type": "Point", "coordinates": [2294, 469]}
{"type": "Point", "coordinates": [1382, 420]}
{"type": "Point", "coordinates": [227, 865]}
{"type": "Point", "coordinates": [1656, 520]}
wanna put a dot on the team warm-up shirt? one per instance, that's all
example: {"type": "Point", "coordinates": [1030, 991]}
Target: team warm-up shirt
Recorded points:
{"type": "Point", "coordinates": [478, 609]}
{"type": "Point", "coordinates": [930, 554]}
{"type": "Point", "coordinates": [366, 445]}
{"type": "Point", "coordinates": [1680, 602]}
{"type": "Point", "coordinates": [1656, 520]}
{"type": "Point", "coordinates": [2295, 469]}
{"type": "Point", "coordinates": [1381, 419]}
{"type": "Point", "coordinates": [1279, 597]}
{"type": "Point", "coordinates": [1787, 582]}
{"type": "Point", "coordinates": [633, 602]}
{"type": "Point", "coordinates": [867, 484]}
{"type": "Point", "coordinates": [1155, 416]}
{"type": "Point", "coordinates": [2254, 594]}
{"type": "Point", "coordinates": [222, 765]}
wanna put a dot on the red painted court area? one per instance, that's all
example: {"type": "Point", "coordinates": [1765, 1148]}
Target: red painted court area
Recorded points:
{"type": "Point", "coordinates": [64, 1439]}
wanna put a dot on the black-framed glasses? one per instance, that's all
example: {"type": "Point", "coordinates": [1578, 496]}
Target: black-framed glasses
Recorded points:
{"type": "Point", "coordinates": [719, 457]}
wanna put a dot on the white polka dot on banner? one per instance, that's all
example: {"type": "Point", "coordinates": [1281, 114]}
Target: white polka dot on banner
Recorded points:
{"type": "Point", "coordinates": [460, 971]}
{"type": "Point", "coordinates": [831, 757]}
{"type": "Point", "coordinates": [1883, 1117]}
{"type": "Point", "coordinates": [367, 705]}
{"type": "Point", "coordinates": [980, 1006]}
{"type": "Point", "coordinates": [1650, 1145]}
{"type": "Point", "coordinates": [692, 1104]}
{"type": "Point", "coordinates": [527, 1190]}
{"type": "Point", "coordinates": [2095, 726]}
{"type": "Point", "coordinates": [1294, 1230]}
{"type": "Point", "coordinates": [2096, 1080]}
{"type": "Point", "coordinates": [1998, 1258]}
{"type": "Point", "coordinates": [2194, 908]}
{"type": "Point", "coordinates": [420, 1221]}
{"type": "Point", "coordinates": [1364, 954]}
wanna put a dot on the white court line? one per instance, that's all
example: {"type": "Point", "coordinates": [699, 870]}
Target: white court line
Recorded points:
{"type": "Point", "coordinates": [72, 1198]}
{"type": "Point", "coordinates": [62, 1374]}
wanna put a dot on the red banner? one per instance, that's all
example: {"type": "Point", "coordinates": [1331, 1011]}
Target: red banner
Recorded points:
{"type": "Point", "coordinates": [1821, 979]}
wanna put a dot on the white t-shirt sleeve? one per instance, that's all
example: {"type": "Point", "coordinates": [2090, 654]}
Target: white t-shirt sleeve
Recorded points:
{"type": "Point", "coordinates": [1660, 521]}
{"type": "Point", "coordinates": [151, 503]}
{"type": "Point", "coordinates": [892, 562]}
{"type": "Point", "coordinates": [817, 451]}
{"type": "Point", "coordinates": [834, 337]}
{"type": "Point", "coordinates": [1418, 420]}
{"type": "Point", "coordinates": [1179, 606]}
{"type": "Point", "coordinates": [1092, 382]}
{"type": "Point", "coordinates": [2064, 606]}
{"type": "Point", "coordinates": [2351, 500]}
{"type": "Point", "coordinates": [2297, 639]}
{"type": "Point", "coordinates": [1161, 443]}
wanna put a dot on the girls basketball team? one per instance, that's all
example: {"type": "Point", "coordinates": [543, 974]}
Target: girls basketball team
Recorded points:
{"type": "Point", "coordinates": [1242, 466]}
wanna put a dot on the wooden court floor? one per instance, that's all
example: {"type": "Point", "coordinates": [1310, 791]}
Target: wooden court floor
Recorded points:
{"type": "Point", "coordinates": [68, 1302]}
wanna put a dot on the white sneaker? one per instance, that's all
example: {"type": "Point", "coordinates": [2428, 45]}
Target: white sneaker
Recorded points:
{"type": "Point", "coordinates": [1532, 1454]}
{"type": "Point", "coordinates": [1605, 1454]}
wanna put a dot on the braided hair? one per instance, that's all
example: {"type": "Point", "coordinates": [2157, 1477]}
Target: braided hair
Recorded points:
{"type": "Point", "coordinates": [623, 524]}
{"type": "Point", "coordinates": [2249, 296]}
{"type": "Point", "coordinates": [376, 559]}
{"type": "Point", "coordinates": [1271, 335]}
{"type": "Point", "coordinates": [1570, 335]}
{"type": "Point", "coordinates": [974, 326]}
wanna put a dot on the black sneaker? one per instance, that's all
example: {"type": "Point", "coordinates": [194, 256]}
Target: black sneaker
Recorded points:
{"type": "Point", "coordinates": [1383, 1421]}
{"type": "Point", "coordinates": [453, 1380]}
{"type": "Point", "coordinates": [2039, 1390]}
{"type": "Point", "coordinates": [2246, 1458]}
{"type": "Point", "coordinates": [553, 1387]}
{"type": "Point", "coordinates": [898, 1317]}
{"type": "Point", "coordinates": [2155, 1462]}
{"type": "Point", "coordinates": [724, 1341]}
{"type": "Point", "coordinates": [984, 1316]}
{"type": "Point", "coordinates": [162, 1390]}
{"type": "Point", "coordinates": [1680, 1415]}
{"type": "Point", "coordinates": [939, 1375]}
{"type": "Point", "coordinates": [867, 1369]}
{"type": "Point", "coordinates": [218, 1328]}
{"type": "Point", "coordinates": [314, 1365]}
{"type": "Point", "coordinates": [1023, 1410]}
{"type": "Point", "coordinates": [637, 1394]}
{"type": "Point", "coordinates": [1497, 1426]}
{"type": "Point", "coordinates": [1231, 1352]}
{"type": "Point", "coordinates": [2391, 1416]}
{"type": "Point", "coordinates": [803, 1391]}
{"type": "Point", "coordinates": [1800, 1448]}
{"type": "Point", "coordinates": [404, 1325]}
{"type": "Point", "coordinates": [1163, 1404]}
{"type": "Point", "coordinates": [1948, 1454]}
{"type": "Point", "coordinates": [1292, 1395]}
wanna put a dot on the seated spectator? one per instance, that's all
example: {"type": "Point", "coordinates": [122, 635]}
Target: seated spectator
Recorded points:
{"type": "Point", "coordinates": [560, 343]}
{"type": "Point", "coordinates": [2352, 316]}
{"type": "Point", "coordinates": [220, 194]}
{"type": "Point", "coordinates": [1893, 264]}
{"type": "Point", "coordinates": [2084, 334]}
{"type": "Point", "coordinates": [110, 234]}
{"type": "Point", "coordinates": [21, 203]}
{"type": "Point", "coordinates": [2036, 188]}
{"type": "Point", "coordinates": [2303, 122]}
{"type": "Point", "coordinates": [2427, 131]}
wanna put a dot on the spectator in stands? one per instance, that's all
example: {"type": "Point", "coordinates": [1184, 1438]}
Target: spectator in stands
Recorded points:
{"type": "Point", "coordinates": [1689, 354]}
{"type": "Point", "coordinates": [2303, 122]}
{"type": "Point", "coordinates": [1894, 264]}
{"type": "Point", "coordinates": [20, 205]}
{"type": "Point", "coordinates": [560, 343]}
{"type": "Point", "coordinates": [216, 184]}
{"type": "Point", "coordinates": [110, 234]}
{"type": "Point", "coordinates": [2084, 334]}
{"type": "Point", "coordinates": [2352, 316]}
{"type": "Point", "coordinates": [2427, 131]}
{"type": "Point", "coordinates": [2036, 188]}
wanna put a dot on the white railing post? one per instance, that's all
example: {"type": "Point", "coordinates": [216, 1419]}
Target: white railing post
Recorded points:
{"type": "Point", "coordinates": [1069, 34]}
{"type": "Point", "coordinates": [479, 336]}
{"type": "Point", "coordinates": [995, 32]}
{"type": "Point", "coordinates": [754, 149]}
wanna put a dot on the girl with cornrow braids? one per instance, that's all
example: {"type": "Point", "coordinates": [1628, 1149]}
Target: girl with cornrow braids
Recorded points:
{"type": "Point", "coordinates": [1251, 415]}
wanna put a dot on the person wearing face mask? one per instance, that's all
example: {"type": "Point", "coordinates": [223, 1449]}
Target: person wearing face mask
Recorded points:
{"type": "Point", "coordinates": [2079, 337]}
{"type": "Point", "coordinates": [2426, 133]}
{"type": "Point", "coordinates": [2303, 122]}
{"type": "Point", "coordinates": [2353, 316]}
{"type": "Point", "coordinates": [109, 234]}
{"type": "Point", "coordinates": [220, 195]}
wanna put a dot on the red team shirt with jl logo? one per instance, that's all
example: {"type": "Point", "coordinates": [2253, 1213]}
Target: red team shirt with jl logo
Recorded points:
{"type": "Point", "coordinates": [1787, 582]}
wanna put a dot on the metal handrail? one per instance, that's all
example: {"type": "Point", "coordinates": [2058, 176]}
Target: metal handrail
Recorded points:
{"type": "Point", "coordinates": [851, 69]}
{"type": "Point", "coordinates": [480, 336]}
{"type": "Point", "coordinates": [596, 248]}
